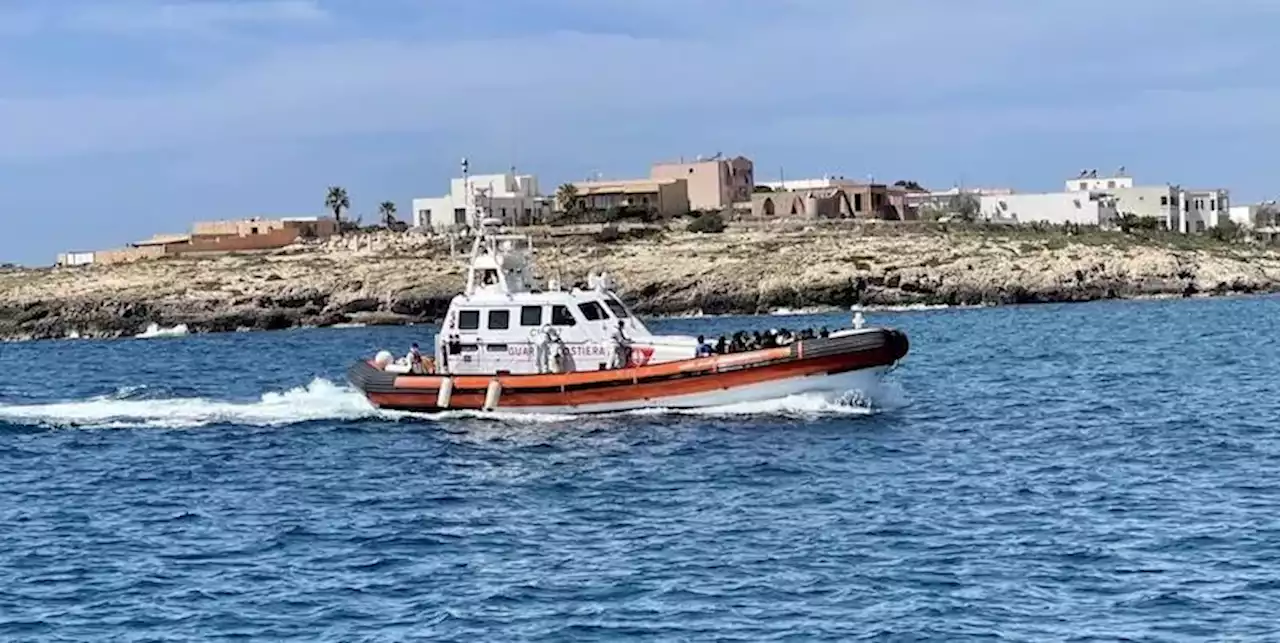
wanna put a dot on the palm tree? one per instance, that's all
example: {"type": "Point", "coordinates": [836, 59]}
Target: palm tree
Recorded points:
{"type": "Point", "coordinates": [387, 212]}
{"type": "Point", "coordinates": [567, 198]}
{"type": "Point", "coordinates": [337, 201]}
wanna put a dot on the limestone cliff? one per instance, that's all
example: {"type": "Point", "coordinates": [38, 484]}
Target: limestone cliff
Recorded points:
{"type": "Point", "coordinates": [386, 278]}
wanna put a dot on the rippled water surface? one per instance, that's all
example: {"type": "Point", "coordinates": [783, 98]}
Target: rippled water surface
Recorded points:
{"type": "Point", "coordinates": [1078, 472]}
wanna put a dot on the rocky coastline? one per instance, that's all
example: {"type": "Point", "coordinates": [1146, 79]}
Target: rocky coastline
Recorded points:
{"type": "Point", "coordinates": [388, 278]}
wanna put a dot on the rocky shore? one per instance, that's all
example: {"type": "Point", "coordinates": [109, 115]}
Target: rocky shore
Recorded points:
{"type": "Point", "coordinates": [388, 278]}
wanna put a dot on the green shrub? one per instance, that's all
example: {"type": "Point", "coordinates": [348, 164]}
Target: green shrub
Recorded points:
{"type": "Point", "coordinates": [608, 234]}
{"type": "Point", "coordinates": [1227, 231]}
{"type": "Point", "coordinates": [710, 222]}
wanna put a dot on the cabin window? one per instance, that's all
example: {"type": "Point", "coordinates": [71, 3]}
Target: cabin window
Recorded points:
{"type": "Point", "coordinates": [592, 311]}
{"type": "Point", "coordinates": [560, 316]}
{"type": "Point", "coordinates": [618, 309]}
{"type": "Point", "coordinates": [531, 315]}
{"type": "Point", "coordinates": [469, 320]}
{"type": "Point", "coordinates": [499, 319]}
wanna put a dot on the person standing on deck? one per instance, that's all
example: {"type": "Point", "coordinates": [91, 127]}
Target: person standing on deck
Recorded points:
{"type": "Point", "coordinates": [415, 359]}
{"type": "Point", "coordinates": [621, 348]}
{"type": "Point", "coordinates": [541, 350]}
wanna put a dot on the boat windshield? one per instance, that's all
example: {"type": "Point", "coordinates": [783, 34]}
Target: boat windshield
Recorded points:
{"type": "Point", "coordinates": [592, 311]}
{"type": "Point", "coordinates": [618, 309]}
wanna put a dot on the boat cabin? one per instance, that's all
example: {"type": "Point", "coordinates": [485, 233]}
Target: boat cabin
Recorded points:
{"type": "Point", "coordinates": [501, 322]}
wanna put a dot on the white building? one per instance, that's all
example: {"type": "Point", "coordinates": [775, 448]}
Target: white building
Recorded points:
{"type": "Point", "coordinates": [1158, 202]}
{"type": "Point", "coordinates": [514, 198]}
{"type": "Point", "coordinates": [827, 181]}
{"type": "Point", "coordinates": [1254, 215]}
{"type": "Point", "coordinates": [1245, 216]}
{"type": "Point", "coordinates": [75, 259]}
{"type": "Point", "coordinates": [1204, 209]}
{"type": "Point", "coordinates": [1088, 181]}
{"type": "Point", "coordinates": [943, 198]}
{"type": "Point", "coordinates": [1057, 208]}
{"type": "Point", "coordinates": [1180, 210]}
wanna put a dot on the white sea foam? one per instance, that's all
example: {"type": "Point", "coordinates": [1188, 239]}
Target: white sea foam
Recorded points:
{"type": "Point", "coordinates": [319, 400]}
{"type": "Point", "coordinates": [155, 330]}
{"type": "Point", "coordinates": [883, 397]}
{"type": "Point", "coordinates": [903, 308]}
{"type": "Point", "coordinates": [798, 312]}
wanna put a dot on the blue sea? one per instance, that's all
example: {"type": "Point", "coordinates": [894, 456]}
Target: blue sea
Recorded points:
{"type": "Point", "coordinates": [1061, 472]}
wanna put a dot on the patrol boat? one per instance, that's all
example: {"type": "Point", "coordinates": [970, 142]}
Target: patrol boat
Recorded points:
{"type": "Point", "coordinates": [507, 345]}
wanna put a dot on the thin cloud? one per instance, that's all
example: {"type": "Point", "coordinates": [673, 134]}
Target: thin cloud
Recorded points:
{"type": "Point", "coordinates": [127, 18]}
{"type": "Point", "coordinates": [987, 58]}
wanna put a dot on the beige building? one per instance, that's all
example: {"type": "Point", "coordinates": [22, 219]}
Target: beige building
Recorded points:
{"type": "Point", "coordinates": [212, 237]}
{"type": "Point", "coordinates": [851, 200]}
{"type": "Point", "coordinates": [828, 203]}
{"type": "Point", "coordinates": [713, 184]}
{"type": "Point", "coordinates": [305, 227]}
{"type": "Point", "coordinates": [660, 197]}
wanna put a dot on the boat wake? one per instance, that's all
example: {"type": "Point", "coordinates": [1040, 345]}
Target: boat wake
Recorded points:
{"type": "Point", "coordinates": [132, 407]}
{"type": "Point", "coordinates": [883, 397]}
{"type": "Point", "coordinates": [322, 400]}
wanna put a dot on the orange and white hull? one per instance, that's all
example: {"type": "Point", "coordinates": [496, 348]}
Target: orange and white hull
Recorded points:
{"type": "Point", "coordinates": [848, 362]}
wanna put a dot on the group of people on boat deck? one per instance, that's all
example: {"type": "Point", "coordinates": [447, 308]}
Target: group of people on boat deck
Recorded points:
{"type": "Point", "coordinates": [743, 341]}
{"type": "Point", "coordinates": [551, 354]}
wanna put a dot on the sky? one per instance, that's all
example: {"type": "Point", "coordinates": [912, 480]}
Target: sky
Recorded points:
{"type": "Point", "coordinates": [124, 118]}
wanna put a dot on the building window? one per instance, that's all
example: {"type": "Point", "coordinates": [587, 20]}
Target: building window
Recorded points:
{"type": "Point", "coordinates": [459, 215]}
{"type": "Point", "coordinates": [857, 203]}
{"type": "Point", "coordinates": [469, 320]}
{"type": "Point", "coordinates": [1164, 200]}
{"type": "Point", "coordinates": [531, 315]}
{"type": "Point", "coordinates": [253, 231]}
{"type": "Point", "coordinates": [504, 213]}
{"type": "Point", "coordinates": [1084, 186]}
{"type": "Point", "coordinates": [560, 316]}
{"type": "Point", "coordinates": [1213, 204]}
{"type": "Point", "coordinates": [1111, 184]}
{"type": "Point", "coordinates": [424, 216]}
{"type": "Point", "coordinates": [499, 319]}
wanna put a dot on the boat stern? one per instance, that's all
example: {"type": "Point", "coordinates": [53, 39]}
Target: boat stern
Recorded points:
{"type": "Point", "coordinates": [371, 380]}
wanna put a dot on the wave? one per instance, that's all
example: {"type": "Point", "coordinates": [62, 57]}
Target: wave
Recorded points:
{"type": "Point", "coordinates": [133, 407]}
{"type": "Point", "coordinates": [883, 396]}
{"type": "Point", "coordinates": [805, 405]}
{"type": "Point", "coordinates": [155, 330]}
{"type": "Point", "coordinates": [797, 312]}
